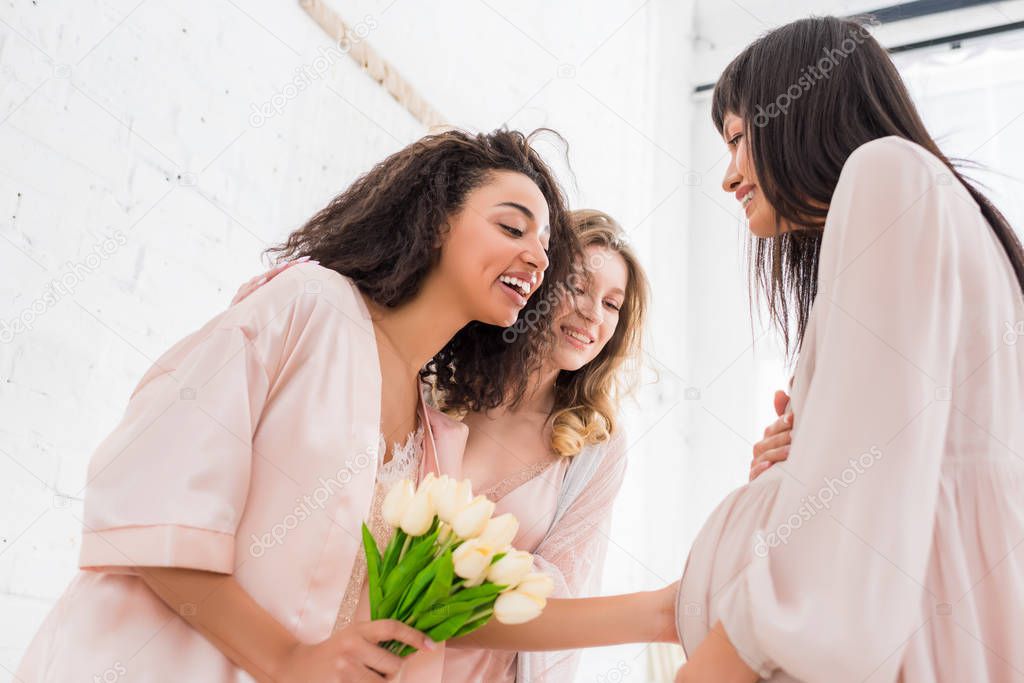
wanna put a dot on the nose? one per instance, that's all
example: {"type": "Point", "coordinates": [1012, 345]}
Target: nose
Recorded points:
{"type": "Point", "coordinates": [732, 179]}
{"type": "Point", "coordinates": [589, 309]}
{"type": "Point", "coordinates": [537, 258]}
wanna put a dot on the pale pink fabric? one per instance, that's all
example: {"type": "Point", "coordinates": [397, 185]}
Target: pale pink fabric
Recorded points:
{"type": "Point", "coordinates": [908, 562]}
{"type": "Point", "coordinates": [249, 448]}
{"type": "Point", "coordinates": [572, 554]}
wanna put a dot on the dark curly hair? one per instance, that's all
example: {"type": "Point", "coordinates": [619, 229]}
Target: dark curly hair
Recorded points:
{"type": "Point", "coordinates": [386, 230]}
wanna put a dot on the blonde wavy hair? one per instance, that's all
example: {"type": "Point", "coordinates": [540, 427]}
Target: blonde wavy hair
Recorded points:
{"type": "Point", "coordinates": [587, 400]}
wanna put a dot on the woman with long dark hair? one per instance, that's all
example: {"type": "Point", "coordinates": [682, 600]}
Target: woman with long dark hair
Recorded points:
{"type": "Point", "coordinates": [222, 515]}
{"type": "Point", "coordinates": [889, 546]}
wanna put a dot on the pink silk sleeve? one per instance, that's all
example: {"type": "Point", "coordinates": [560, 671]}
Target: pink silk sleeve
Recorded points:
{"type": "Point", "coordinates": [573, 552]}
{"type": "Point", "coordinates": [168, 486]}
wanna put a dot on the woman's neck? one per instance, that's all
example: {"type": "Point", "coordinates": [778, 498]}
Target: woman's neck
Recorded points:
{"type": "Point", "coordinates": [539, 398]}
{"type": "Point", "coordinates": [417, 330]}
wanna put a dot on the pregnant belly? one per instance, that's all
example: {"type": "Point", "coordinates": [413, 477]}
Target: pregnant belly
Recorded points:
{"type": "Point", "coordinates": [728, 542]}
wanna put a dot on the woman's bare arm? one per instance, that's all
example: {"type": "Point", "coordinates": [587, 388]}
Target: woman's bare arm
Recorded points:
{"type": "Point", "coordinates": [716, 661]}
{"type": "Point", "coordinates": [219, 608]}
{"type": "Point", "coordinates": [567, 624]}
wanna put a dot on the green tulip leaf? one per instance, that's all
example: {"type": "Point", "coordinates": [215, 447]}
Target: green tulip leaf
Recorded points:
{"type": "Point", "coordinates": [435, 615]}
{"type": "Point", "coordinates": [372, 570]}
{"type": "Point", "coordinates": [471, 626]}
{"type": "Point", "coordinates": [475, 592]}
{"type": "Point", "coordinates": [440, 585]}
{"type": "Point", "coordinates": [392, 552]}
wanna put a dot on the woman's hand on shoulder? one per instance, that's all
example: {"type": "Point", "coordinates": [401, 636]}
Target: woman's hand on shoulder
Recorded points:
{"type": "Point", "coordinates": [256, 282]}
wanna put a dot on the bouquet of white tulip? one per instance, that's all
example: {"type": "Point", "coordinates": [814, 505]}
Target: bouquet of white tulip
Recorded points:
{"type": "Point", "coordinates": [450, 566]}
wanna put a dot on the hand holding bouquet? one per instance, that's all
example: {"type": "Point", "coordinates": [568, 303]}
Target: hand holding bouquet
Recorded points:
{"type": "Point", "coordinates": [449, 566]}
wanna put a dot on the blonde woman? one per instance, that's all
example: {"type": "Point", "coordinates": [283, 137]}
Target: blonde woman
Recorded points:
{"type": "Point", "coordinates": [519, 454]}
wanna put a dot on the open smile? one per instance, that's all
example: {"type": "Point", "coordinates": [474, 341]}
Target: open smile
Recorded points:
{"type": "Point", "coordinates": [518, 286]}
{"type": "Point", "coordinates": [577, 338]}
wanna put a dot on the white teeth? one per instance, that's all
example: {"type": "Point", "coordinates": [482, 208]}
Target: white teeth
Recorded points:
{"type": "Point", "coordinates": [523, 286]}
{"type": "Point", "coordinates": [578, 337]}
{"type": "Point", "coordinates": [747, 198]}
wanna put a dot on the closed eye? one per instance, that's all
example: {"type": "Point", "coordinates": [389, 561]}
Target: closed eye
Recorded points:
{"type": "Point", "coordinates": [735, 139]}
{"type": "Point", "coordinates": [612, 305]}
{"type": "Point", "coordinates": [515, 232]}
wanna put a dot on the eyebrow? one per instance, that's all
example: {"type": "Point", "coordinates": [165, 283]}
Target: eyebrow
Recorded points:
{"type": "Point", "coordinates": [515, 205]}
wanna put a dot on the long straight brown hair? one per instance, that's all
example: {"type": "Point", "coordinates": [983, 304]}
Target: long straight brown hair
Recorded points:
{"type": "Point", "coordinates": [810, 93]}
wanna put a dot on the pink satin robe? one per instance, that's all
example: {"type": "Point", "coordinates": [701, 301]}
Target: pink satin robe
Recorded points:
{"type": "Point", "coordinates": [250, 447]}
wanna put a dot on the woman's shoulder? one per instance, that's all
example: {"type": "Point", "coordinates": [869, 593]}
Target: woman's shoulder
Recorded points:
{"type": "Point", "coordinates": [894, 150]}
{"type": "Point", "coordinates": [301, 293]}
{"type": "Point", "coordinates": [890, 181]}
{"type": "Point", "coordinates": [893, 165]}
{"type": "Point", "coordinates": [611, 449]}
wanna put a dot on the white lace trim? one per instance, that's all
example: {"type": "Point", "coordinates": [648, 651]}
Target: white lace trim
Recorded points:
{"type": "Point", "coordinates": [405, 458]}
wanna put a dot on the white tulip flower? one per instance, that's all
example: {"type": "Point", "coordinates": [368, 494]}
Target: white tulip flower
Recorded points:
{"type": "Point", "coordinates": [428, 483]}
{"type": "Point", "coordinates": [473, 583]}
{"type": "Point", "coordinates": [436, 484]}
{"type": "Point", "coordinates": [471, 560]}
{"type": "Point", "coordinates": [537, 584]}
{"type": "Point", "coordinates": [397, 500]}
{"type": "Point", "coordinates": [470, 522]}
{"type": "Point", "coordinates": [514, 607]}
{"type": "Point", "coordinates": [510, 570]}
{"type": "Point", "coordinates": [500, 531]}
{"type": "Point", "coordinates": [451, 497]}
{"type": "Point", "coordinates": [419, 514]}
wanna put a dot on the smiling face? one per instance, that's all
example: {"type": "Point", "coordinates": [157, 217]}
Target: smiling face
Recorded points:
{"type": "Point", "coordinates": [495, 252]}
{"type": "Point", "coordinates": [741, 180]}
{"type": "Point", "coordinates": [583, 330]}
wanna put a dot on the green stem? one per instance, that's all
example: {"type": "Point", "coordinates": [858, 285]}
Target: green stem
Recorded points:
{"type": "Point", "coordinates": [405, 546]}
{"type": "Point", "coordinates": [447, 544]}
{"type": "Point", "coordinates": [480, 615]}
